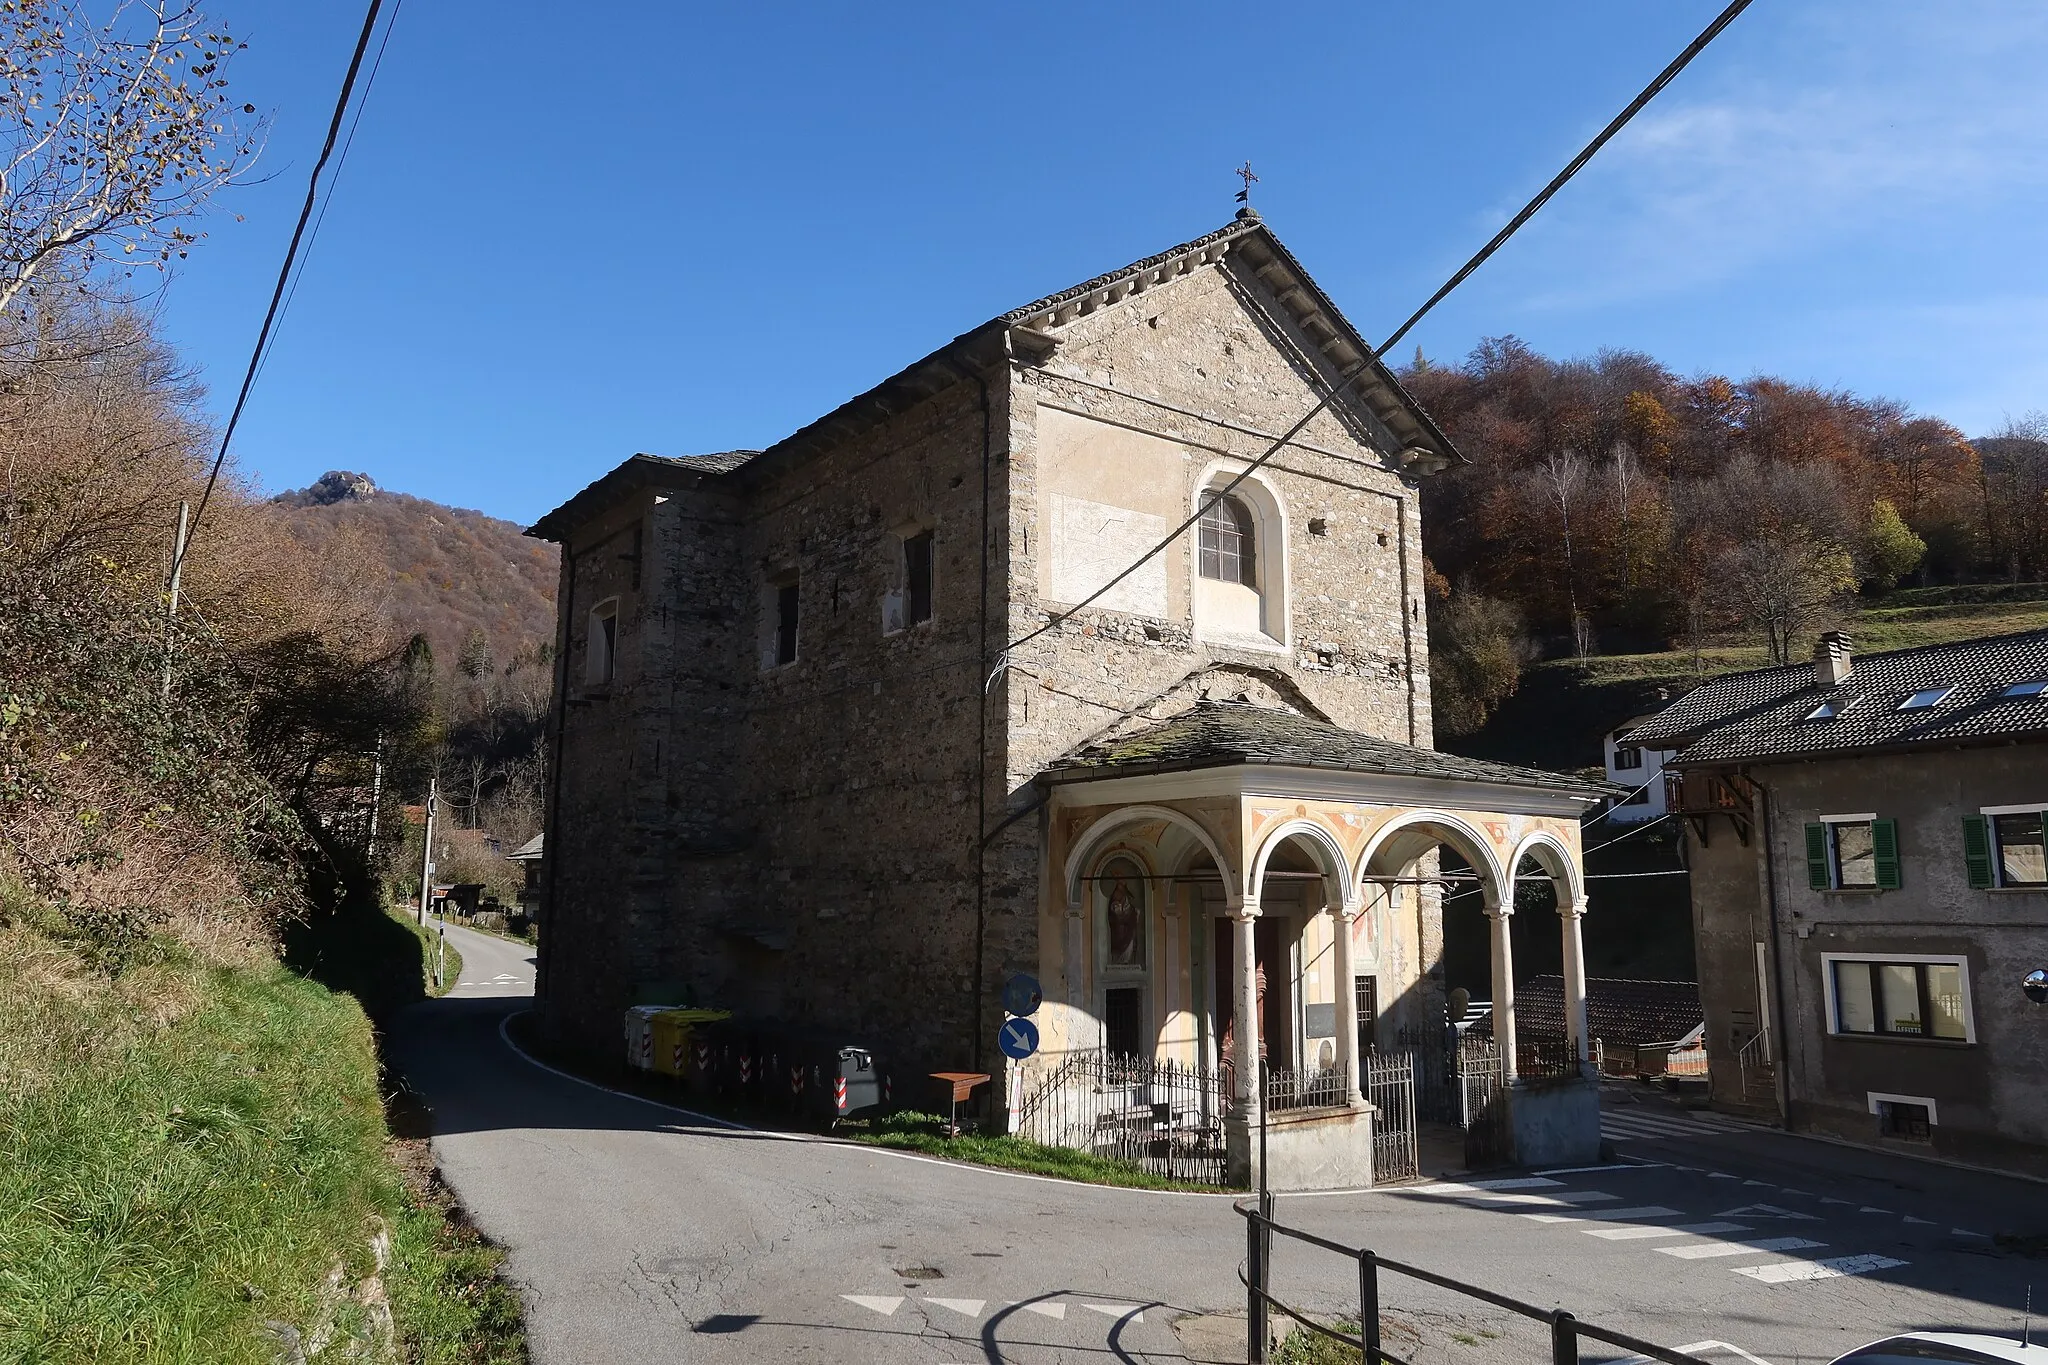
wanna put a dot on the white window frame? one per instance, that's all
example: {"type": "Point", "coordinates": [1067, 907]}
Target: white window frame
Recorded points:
{"type": "Point", "coordinates": [601, 657]}
{"type": "Point", "coordinates": [1935, 695]}
{"type": "Point", "coordinates": [1270, 556]}
{"type": "Point", "coordinates": [1834, 1006]}
{"type": "Point", "coordinates": [1834, 856]}
{"type": "Point", "coordinates": [1877, 1097]}
{"type": "Point", "coordinates": [1989, 813]}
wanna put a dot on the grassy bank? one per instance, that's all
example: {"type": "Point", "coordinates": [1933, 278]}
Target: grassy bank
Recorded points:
{"type": "Point", "coordinates": [914, 1132]}
{"type": "Point", "coordinates": [198, 1171]}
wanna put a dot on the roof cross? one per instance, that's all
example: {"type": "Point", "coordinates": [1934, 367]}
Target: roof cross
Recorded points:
{"type": "Point", "coordinates": [1244, 173]}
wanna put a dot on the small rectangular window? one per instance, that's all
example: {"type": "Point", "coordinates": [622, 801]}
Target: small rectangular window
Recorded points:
{"type": "Point", "coordinates": [601, 647]}
{"type": "Point", "coordinates": [2032, 688]}
{"type": "Point", "coordinates": [1920, 701]}
{"type": "Point", "coordinates": [1897, 1119]}
{"type": "Point", "coordinates": [1855, 853]}
{"type": "Point", "coordinates": [1627, 759]}
{"type": "Point", "coordinates": [917, 577]}
{"type": "Point", "coordinates": [1829, 710]}
{"type": "Point", "coordinates": [2022, 852]}
{"type": "Point", "coordinates": [786, 598]}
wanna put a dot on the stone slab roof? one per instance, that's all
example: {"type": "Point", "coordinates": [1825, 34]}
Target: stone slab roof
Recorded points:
{"type": "Point", "coordinates": [1217, 734]}
{"type": "Point", "coordinates": [1766, 714]}
{"type": "Point", "coordinates": [979, 348]}
{"type": "Point", "coordinates": [1617, 1011]}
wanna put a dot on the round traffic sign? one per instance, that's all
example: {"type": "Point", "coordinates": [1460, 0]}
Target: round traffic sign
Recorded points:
{"type": "Point", "coordinates": [1018, 1038]}
{"type": "Point", "coordinates": [1021, 994]}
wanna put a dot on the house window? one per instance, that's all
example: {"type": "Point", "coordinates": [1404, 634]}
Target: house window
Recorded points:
{"type": "Point", "coordinates": [1905, 1121]}
{"type": "Point", "coordinates": [1228, 547]}
{"type": "Point", "coordinates": [1920, 701]}
{"type": "Point", "coordinates": [1829, 710]}
{"type": "Point", "coordinates": [917, 577]}
{"type": "Point", "coordinates": [1639, 797]}
{"type": "Point", "coordinates": [1895, 999]}
{"type": "Point", "coordinates": [2006, 848]}
{"type": "Point", "coordinates": [783, 598]}
{"type": "Point", "coordinates": [1853, 852]}
{"type": "Point", "coordinates": [2032, 688]}
{"type": "Point", "coordinates": [601, 651]}
{"type": "Point", "coordinates": [1627, 758]}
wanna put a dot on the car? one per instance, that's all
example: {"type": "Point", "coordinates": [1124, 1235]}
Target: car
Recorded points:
{"type": "Point", "coordinates": [1953, 1348]}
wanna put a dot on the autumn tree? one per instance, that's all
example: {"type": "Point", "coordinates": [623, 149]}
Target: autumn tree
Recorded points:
{"type": "Point", "coordinates": [115, 130]}
{"type": "Point", "coordinates": [1477, 648]}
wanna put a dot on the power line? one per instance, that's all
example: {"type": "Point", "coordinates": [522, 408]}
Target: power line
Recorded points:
{"type": "Point", "coordinates": [1529, 210]}
{"type": "Point", "coordinates": [284, 274]}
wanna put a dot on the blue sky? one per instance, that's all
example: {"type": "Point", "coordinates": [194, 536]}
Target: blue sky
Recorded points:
{"type": "Point", "coordinates": [674, 228]}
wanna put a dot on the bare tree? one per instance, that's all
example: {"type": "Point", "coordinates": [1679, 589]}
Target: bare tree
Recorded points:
{"type": "Point", "coordinates": [1786, 561]}
{"type": "Point", "coordinates": [1562, 477]}
{"type": "Point", "coordinates": [114, 132]}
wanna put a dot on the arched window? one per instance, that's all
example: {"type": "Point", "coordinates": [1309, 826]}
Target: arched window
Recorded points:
{"type": "Point", "coordinates": [1228, 549]}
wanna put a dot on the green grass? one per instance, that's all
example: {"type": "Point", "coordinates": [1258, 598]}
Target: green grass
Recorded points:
{"type": "Point", "coordinates": [429, 937]}
{"type": "Point", "coordinates": [915, 1132]}
{"type": "Point", "coordinates": [191, 1148]}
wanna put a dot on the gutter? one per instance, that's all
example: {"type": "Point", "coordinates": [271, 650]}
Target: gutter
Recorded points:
{"type": "Point", "coordinates": [1780, 1055]}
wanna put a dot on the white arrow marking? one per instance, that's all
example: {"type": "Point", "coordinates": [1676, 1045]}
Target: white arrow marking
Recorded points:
{"type": "Point", "coordinates": [1056, 1311]}
{"type": "Point", "coordinates": [1115, 1310]}
{"type": "Point", "coordinates": [881, 1303]}
{"type": "Point", "coordinates": [969, 1307]}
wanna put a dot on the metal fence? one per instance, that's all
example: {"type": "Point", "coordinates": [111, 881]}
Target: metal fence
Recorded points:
{"type": "Point", "coordinates": [1314, 1088]}
{"type": "Point", "coordinates": [1163, 1116]}
{"type": "Point", "coordinates": [1566, 1330]}
{"type": "Point", "coordinates": [1390, 1085]}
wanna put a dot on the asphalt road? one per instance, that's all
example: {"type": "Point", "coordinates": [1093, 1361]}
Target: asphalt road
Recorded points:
{"type": "Point", "coordinates": [641, 1233]}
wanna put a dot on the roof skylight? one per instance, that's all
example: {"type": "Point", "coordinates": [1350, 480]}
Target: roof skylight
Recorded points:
{"type": "Point", "coordinates": [2033, 688]}
{"type": "Point", "coordinates": [1830, 709]}
{"type": "Point", "coordinates": [1920, 701]}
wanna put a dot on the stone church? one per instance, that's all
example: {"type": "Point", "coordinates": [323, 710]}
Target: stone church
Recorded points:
{"type": "Point", "coordinates": [834, 745]}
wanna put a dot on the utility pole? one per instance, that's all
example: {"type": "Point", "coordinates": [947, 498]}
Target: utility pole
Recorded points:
{"type": "Point", "coordinates": [427, 848]}
{"type": "Point", "coordinates": [177, 580]}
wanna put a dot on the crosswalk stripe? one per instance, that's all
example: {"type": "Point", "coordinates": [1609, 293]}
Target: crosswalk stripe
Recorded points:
{"type": "Point", "coordinates": [1701, 1251]}
{"type": "Point", "coordinates": [1546, 1201]}
{"type": "Point", "coordinates": [1526, 1182]}
{"type": "Point", "coordinates": [1606, 1215]}
{"type": "Point", "coordinates": [1632, 1234]}
{"type": "Point", "coordinates": [1786, 1272]}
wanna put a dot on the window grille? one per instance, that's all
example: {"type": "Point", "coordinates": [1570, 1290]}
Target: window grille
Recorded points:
{"type": "Point", "coordinates": [1226, 548]}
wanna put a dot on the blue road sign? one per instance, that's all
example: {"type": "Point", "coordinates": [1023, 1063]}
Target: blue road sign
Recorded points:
{"type": "Point", "coordinates": [1018, 1038]}
{"type": "Point", "coordinates": [1021, 994]}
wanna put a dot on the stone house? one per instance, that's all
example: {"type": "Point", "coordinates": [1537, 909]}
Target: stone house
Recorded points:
{"type": "Point", "coordinates": [1869, 886]}
{"type": "Point", "coordinates": [851, 730]}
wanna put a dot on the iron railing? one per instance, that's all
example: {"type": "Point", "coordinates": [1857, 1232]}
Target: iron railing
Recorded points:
{"type": "Point", "coordinates": [1313, 1088]}
{"type": "Point", "coordinates": [1256, 1272]}
{"type": "Point", "coordinates": [1161, 1115]}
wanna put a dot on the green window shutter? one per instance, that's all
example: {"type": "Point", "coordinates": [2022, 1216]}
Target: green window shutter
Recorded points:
{"type": "Point", "coordinates": [1817, 857]}
{"type": "Point", "coordinates": [1884, 842]}
{"type": "Point", "coordinates": [1977, 850]}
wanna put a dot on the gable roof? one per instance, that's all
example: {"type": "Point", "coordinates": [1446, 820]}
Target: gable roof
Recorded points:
{"type": "Point", "coordinates": [1220, 734]}
{"type": "Point", "coordinates": [1763, 714]}
{"type": "Point", "coordinates": [1424, 446]}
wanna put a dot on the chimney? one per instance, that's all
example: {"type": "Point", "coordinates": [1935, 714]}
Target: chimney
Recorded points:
{"type": "Point", "coordinates": [1831, 662]}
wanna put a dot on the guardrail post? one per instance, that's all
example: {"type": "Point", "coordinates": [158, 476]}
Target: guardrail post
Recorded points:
{"type": "Point", "coordinates": [1369, 1305]}
{"type": "Point", "coordinates": [1255, 1290]}
{"type": "Point", "coordinates": [1564, 1338]}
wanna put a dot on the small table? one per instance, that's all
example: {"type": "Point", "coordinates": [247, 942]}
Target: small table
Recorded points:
{"type": "Point", "coordinates": [963, 1083]}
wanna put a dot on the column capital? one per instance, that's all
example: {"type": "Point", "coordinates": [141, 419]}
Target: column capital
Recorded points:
{"type": "Point", "coordinates": [1353, 907]}
{"type": "Point", "coordinates": [1076, 909]}
{"type": "Point", "coordinates": [1576, 910]}
{"type": "Point", "coordinates": [1248, 908]}
{"type": "Point", "coordinates": [1494, 908]}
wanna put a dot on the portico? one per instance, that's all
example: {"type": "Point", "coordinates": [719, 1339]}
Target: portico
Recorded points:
{"type": "Point", "coordinates": [1242, 884]}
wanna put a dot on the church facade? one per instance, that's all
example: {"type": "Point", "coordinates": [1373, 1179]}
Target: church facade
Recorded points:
{"type": "Point", "coordinates": [851, 730]}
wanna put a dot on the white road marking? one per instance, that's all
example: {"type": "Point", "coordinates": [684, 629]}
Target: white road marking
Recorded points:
{"type": "Point", "coordinates": [1766, 1211]}
{"type": "Point", "coordinates": [1547, 1201]}
{"type": "Point", "coordinates": [970, 1307]}
{"type": "Point", "coordinates": [1760, 1184]}
{"type": "Point", "coordinates": [1633, 1234]}
{"type": "Point", "coordinates": [1116, 1310]}
{"type": "Point", "coordinates": [1965, 1232]}
{"type": "Point", "coordinates": [1826, 1200]}
{"type": "Point", "coordinates": [1055, 1311]}
{"type": "Point", "coordinates": [1786, 1272]}
{"type": "Point", "coordinates": [1707, 1250]}
{"type": "Point", "coordinates": [881, 1303]}
{"type": "Point", "coordinates": [1925, 1222]}
{"type": "Point", "coordinates": [1869, 1209]}
{"type": "Point", "coordinates": [1529, 1182]}
{"type": "Point", "coordinates": [1606, 1215]}
{"type": "Point", "coordinates": [1719, 1175]}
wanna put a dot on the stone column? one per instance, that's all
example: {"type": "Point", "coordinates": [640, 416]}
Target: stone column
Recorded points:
{"type": "Point", "coordinates": [1245, 958]}
{"type": "Point", "coordinates": [1344, 920]}
{"type": "Point", "coordinates": [1503, 983]}
{"type": "Point", "coordinates": [1575, 978]}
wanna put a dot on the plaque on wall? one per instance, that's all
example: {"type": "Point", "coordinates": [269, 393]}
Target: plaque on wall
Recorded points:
{"type": "Point", "coordinates": [1320, 1021]}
